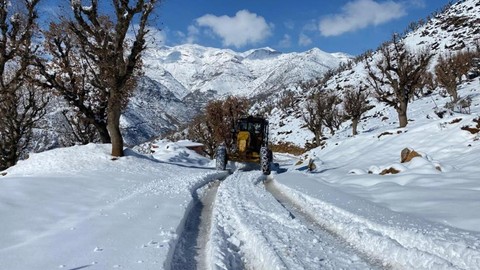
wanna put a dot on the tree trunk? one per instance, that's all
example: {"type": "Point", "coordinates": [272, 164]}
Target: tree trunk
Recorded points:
{"type": "Point", "coordinates": [332, 131]}
{"type": "Point", "coordinates": [354, 126]}
{"type": "Point", "coordinates": [318, 137]}
{"type": "Point", "coordinates": [454, 95]}
{"type": "Point", "coordinates": [402, 114]}
{"type": "Point", "coordinates": [113, 126]}
{"type": "Point", "coordinates": [103, 132]}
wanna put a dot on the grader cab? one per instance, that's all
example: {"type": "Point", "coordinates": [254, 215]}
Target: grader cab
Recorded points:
{"type": "Point", "coordinates": [250, 144]}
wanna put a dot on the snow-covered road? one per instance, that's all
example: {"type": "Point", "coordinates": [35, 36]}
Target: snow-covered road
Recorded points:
{"type": "Point", "coordinates": [255, 222]}
{"type": "Point", "coordinates": [260, 233]}
{"type": "Point", "coordinates": [75, 208]}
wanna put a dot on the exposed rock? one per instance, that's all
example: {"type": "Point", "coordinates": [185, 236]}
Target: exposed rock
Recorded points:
{"type": "Point", "coordinates": [389, 171]}
{"type": "Point", "coordinates": [475, 129]}
{"type": "Point", "coordinates": [471, 130]}
{"type": "Point", "coordinates": [408, 154]}
{"type": "Point", "coordinates": [311, 165]}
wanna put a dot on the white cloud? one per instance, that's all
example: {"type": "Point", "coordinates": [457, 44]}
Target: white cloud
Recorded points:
{"type": "Point", "coordinates": [286, 41]}
{"type": "Point", "coordinates": [193, 33]}
{"type": "Point", "coordinates": [360, 14]}
{"type": "Point", "coordinates": [304, 40]}
{"type": "Point", "coordinates": [242, 29]}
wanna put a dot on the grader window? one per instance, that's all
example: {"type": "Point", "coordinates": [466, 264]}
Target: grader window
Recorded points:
{"type": "Point", "coordinates": [254, 128]}
{"type": "Point", "coordinates": [257, 127]}
{"type": "Point", "coordinates": [242, 126]}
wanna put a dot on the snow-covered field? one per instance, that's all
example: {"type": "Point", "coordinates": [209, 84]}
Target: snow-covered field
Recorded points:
{"type": "Point", "coordinates": [75, 208]}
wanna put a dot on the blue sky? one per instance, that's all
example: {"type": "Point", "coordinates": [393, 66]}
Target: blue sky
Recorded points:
{"type": "Point", "coordinates": [350, 26]}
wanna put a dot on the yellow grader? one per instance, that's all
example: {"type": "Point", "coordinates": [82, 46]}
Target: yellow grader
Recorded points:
{"type": "Point", "coordinates": [250, 144]}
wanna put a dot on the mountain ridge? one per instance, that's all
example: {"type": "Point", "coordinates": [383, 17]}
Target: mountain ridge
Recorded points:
{"type": "Point", "coordinates": [232, 73]}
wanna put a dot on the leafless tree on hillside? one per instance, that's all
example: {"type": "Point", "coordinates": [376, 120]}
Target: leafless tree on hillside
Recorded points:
{"type": "Point", "coordinates": [446, 76]}
{"type": "Point", "coordinates": [450, 70]}
{"type": "Point", "coordinates": [321, 111]}
{"type": "Point", "coordinates": [104, 42]}
{"type": "Point", "coordinates": [397, 75]}
{"type": "Point", "coordinates": [356, 104]}
{"type": "Point", "coordinates": [201, 130]}
{"type": "Point", "coordinates": [288, 101]}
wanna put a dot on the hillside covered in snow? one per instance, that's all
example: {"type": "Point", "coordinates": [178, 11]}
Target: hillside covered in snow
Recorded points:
{"type": "Point", "coordinates": [452, 31]}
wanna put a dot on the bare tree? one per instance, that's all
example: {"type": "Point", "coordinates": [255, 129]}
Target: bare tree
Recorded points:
{"type": "Point", "coordinates": [21, 101]}
{"type": "Point", "coordinates": [321, 111]}
{"type": "Point", "coordinates": [463, 62]}
{"type": "Point", "coordinates": [72, 75]}
{"type": "Point", "coordinates": [355, 104]}
{"type": "Point", "coordinates": [451, 68]}
{"type": "Point", "coordinates": [201, 130]}
{"type": "Point", "coordinates": [397, 75]}
{"type": "Point", "coordinates": [430, 84]}
{"type": "Point", "coordinates": [214, 125]}
{"type": "Point", "coordinates": [215, 121]}
{"type": "Point", "coordinates": [288, 101]}
{"type": "Point", "coordinates": [78, 128]}
{"type": "Point", "coordinates": [103, 41]}
{"type": "Point", "coordinates": [222, 116]}
{"type": "Point", "coordinates": [313, 119]}
{"type": "Point", "coordinates": [332, 118]}
{"type": "Point", "coordinates": [233, 109]}
{"type": "Point", "coordinates": [446, 75]}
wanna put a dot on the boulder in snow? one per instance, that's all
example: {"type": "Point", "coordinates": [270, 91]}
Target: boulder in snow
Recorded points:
{"type": "Point", "coordinates": [408, 154]}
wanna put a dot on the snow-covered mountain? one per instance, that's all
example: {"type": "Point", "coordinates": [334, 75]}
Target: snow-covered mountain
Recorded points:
{"type": "Point", "coordinates": [153, 110]}
{"type": "Point", "coordinates": [180, 80]}
{"type": "Point", "coordinates": [192, 68]}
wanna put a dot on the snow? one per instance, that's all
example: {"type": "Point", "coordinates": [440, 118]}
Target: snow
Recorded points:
{"type": "Point", "coordinates": [76, 207]}
{"type": "Point", "coordinates": [188, 68]}
{"type": "Point", "coordinates": [169, 208]}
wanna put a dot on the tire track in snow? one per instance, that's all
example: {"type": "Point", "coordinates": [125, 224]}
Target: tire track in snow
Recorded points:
{"type": "Point", "coordinates": [191, 247]}
{"type": "Point", "coordinates": [251, 225]}
{"type": "Point", "coordinates": [296, 211]}
{"type": "Point", "coordinates": [205, 228]}
{"type": "Point", "coordinates": [399, 248]}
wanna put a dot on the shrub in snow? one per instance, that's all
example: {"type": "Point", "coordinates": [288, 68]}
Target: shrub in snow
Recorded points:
{"type": "Point", "coordinates": [460, 106]}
